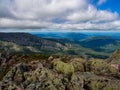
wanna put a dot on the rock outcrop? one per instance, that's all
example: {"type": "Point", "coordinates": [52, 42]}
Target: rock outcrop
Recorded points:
{"type": "Point", "coordinates": [58, 73]}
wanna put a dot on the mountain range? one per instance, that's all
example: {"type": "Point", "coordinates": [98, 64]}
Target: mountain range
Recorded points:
{"type": "Point", "coordinates": [60, 43]}
{"type": "Point", "coordinates": [29, 43]}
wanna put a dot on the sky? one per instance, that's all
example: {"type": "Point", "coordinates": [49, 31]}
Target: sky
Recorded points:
{"type": "Point", "coordinates": [59, 15]}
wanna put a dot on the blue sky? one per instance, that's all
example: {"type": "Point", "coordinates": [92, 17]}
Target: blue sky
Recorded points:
{"type": "Point", "coordinates": [62, 15]}
{"type": "Point", "coordinates": [112, 5]}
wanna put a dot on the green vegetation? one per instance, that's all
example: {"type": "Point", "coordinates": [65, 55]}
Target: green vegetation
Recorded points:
{"type": "Point", "coordinates": [97, 47]}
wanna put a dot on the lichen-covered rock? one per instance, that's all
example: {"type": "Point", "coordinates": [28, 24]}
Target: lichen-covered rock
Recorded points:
{"type": "Point", "coordinates": [17, 73]}
{"type": "Point", "coordinates": [3, 70]}
{"type": "Point", "coordinates": [115, 56]}
{"type": "Point", "coordinates": [100, 67]}
{"type": "Point", "coordinates": [76, 82]}
{"type": "Point", "coordinates": [94, 82]}
{"type": "Point", "coordinates": [114, 60]}
{"type": "Point", "coordinates": [70, 74]}
{"type": "Point", "coordinates": [43, 79]}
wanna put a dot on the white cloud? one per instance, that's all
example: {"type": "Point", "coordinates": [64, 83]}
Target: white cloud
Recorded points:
{"type": "Point", "coordinates": [100, 2]}
{"type": "Point", "coordinates": [93, 15]}
{"type": "Point", "coordinates": [89, 25]}
{"type": "Point", "coordinates": [56, 14]}
{"type": "Point", "coordinates": [47, 9]}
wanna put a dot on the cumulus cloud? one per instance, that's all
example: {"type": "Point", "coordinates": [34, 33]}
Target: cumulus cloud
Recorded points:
{"type": "Point", "coordinates": [93, 15]}
{"type": "Point", "coordinates": [56, 14]}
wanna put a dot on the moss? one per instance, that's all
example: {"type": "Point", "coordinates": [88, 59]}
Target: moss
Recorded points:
{"type": "Point", "coordinates": [51, 87]}
{"type": "Point", "coordinates": [70, 74]}
{"type": "Point", "coordinates": [64, 68]}
{"type": "Point", "coordinates": [112, 70]}
{"type": "Point", "coordinates": [28, 79]}
{"type": "Point", "coordinates": [78, 64]}
{"type": "Point", "coordinates": [37, 75]}
{"type": "Point", "coordinates": [26, 58]}
{"type": "Point", "coordinates": [96, 85]}
{"type": "Point", "coordinates": [99, 67]}
{"type": "Point", "coordinates": [111, 86]}
{"type": "Point", "coordinates": [11, 87]}
{"type": "Point", "coordinates": [56, 81]}
{"type": "Point", "coordinates": [73, 86]}
{"type": "Point", "coordinates": [76, 82]}
{"type": "Point", "coordinates": [65, 81]}
{"type": "Point", "coordinates": [59, 83]}
{"type": "Point", "coordinates": [100, 83]}
{"type": "Point", "coordinates": [115, 56]}
{"type": "Point", "coordinates": [48, 86]}
{"type": "Point", "coordinates": [3, 70]}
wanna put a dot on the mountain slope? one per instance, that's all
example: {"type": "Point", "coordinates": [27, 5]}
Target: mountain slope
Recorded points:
{"type": "Point", "coordinates": [13, 47]}
{"type": "Point", "coordinates": [103, 42]}
{"type": "Point", "coordinates": [26, 40]}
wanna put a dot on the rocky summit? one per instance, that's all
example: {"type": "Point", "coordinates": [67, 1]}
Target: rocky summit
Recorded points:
{"type": "Point", "coordinates": [45, 72]}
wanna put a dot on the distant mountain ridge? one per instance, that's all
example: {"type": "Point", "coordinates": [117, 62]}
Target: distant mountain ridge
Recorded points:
{"type": "Point", "coordinates": [61, 35]}
{"type": "Point", "coordinates": [76, 35]}
{"type": "Point", "coordinates": [101, 43]}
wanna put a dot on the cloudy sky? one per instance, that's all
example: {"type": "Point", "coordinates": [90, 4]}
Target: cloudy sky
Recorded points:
{"type": "Point", "coordinates": [59, 15]}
